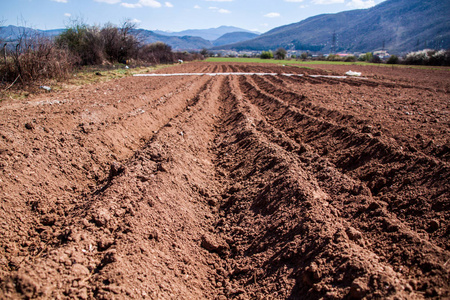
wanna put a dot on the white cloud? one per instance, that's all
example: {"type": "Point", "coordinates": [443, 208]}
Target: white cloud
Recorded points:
{"type": "Point", "coordinates": [141, 3]}
{"type": "Point", "coordinates": [219, 10]}
{"type": "Point", "coordinates": [67, 15]}
{"type": "Point", "coordinates": [294, 0]}
{"type": "Point", "coordinates": [168, 4]}
{"type": "Point", "coordinates": [60, 1]}
{"type": "Point", "coordinates": [361, 3]}
{"type": "Point", "coordinates": [130, 5]}
{"type": "Point", "coordinates": [272, 15]}
{"type": "Point", "coordinates": [197, 7]}
{"type": "Point", "coordinates": [150, 3]}
{"type": "Point", "coordinates": [136, 21]}
{"type": "Point", "coordinates": [108, 1]}
{"type": "Point", "coordinates": [219, 0]}
{"type": "Point", "coordinates": [327, 1]}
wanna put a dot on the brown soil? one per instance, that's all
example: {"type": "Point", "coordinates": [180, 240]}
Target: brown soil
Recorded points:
{"type": "Point", "coordinates": [229, 187]}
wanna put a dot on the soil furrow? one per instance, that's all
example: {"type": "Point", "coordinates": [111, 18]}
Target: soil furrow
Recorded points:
{"type": "Point", "coordinates": [272, 211]}
{"type": "Point", "coordinates": [359, 152]}
{"type": "Point", "coordinates": [229, 187]}
{"type": "Point", "coordinates": [71, 177]}
{"type": "Point", "coordinates": [348, 98]}
{"type": "Point", "coordinates": [115, 220]}
{"type": "Point", "coordinates": [364, 204]}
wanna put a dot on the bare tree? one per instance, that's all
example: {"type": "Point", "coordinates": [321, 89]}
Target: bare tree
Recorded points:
{"type": "Point", "coordinates": [2, 43]}
{"type": "Point", "coordinates": [120, 44]}
{"type": "Point", "coordinates": [32, 57]}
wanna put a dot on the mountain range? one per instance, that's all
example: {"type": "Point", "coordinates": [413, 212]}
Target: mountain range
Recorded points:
{"type": "Point", "coordinates": [196, 38]}
{"type": "Point", "coordinates": [176, 42]}
{"type": "Point", "coordinates": [12, 33]}
{"type": "Point", "coordinates": [210, 34]}
{"type": "Point", "coordinates": [396, 25]}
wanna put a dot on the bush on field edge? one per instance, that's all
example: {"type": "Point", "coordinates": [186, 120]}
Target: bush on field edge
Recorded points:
{"type": "Point", "coordinates": [428, 57]}
{"type": "Point", "coordinates": [31, 59]}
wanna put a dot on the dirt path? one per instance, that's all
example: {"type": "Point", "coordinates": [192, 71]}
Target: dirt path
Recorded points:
{"type": "Point", "coordinates": [223, 187]}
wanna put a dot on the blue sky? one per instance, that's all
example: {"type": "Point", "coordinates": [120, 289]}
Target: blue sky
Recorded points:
{"type": "Point", "coordinates": [172, 15]}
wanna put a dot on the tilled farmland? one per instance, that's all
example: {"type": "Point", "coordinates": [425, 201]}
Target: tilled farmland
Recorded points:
{"type": "Point", "coordinates": [229, 187]}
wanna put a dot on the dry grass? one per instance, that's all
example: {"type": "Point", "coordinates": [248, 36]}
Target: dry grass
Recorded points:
{"type": "Point", "coordinates": [88, 75]}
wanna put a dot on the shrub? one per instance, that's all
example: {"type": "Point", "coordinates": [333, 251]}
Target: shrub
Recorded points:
{"type": "Point", "coordinates": [333, 57]}
{"type": "Point", "coordinates": [266, 55]}
{"type": "Point", "coordinates": [428, 57]}
{"type": "Point", "coordinates": [84, 42]}
{"type": "Point", "coordinates": [119, 44]}
{"type": "Point", "coordinates": [94, 45]}
{"type": "Point", "coordinates": [185, 56]}
{"type": "Point", "coordinates": [366, 57]}
{"type": "Point", "coordinates": [205, 52]}
{"type": "Point", "coordinates": [375, 59]}
{"type": "Point", "coordinates": [393, 59]}
{"type": "Point", "coordinates": [440, 58]}
{"type": "Point", "coordinates": [280, 53]}
{"type": "Point", "coordinates": [33, 59]}
{"type": "Point", "coordinates": [350, 58]}
{"type": "Point", "coordinates": [157, 53]}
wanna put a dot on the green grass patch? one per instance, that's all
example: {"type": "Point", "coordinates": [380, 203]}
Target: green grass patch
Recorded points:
{"type": "Point", "coordinates": [282, 62]}
{"type": "Point", "coordinates": [301, 63]}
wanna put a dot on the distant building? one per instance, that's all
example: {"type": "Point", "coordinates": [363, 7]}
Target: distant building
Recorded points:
{"type": "Point", "coordinates": [344, 54]}
{"type": "Point", "coordinates": [383, 54]}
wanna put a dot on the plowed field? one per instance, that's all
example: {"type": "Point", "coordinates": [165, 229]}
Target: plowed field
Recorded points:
{"type": "Point", "coordinates": [229, 187]}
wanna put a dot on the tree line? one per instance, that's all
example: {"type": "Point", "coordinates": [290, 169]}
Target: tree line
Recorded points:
{"type": "Point", "coordinates": [428, 57]}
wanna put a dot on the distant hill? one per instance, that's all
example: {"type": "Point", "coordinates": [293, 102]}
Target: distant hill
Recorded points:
{"type": "Point", "coordinates": [176, 42]}
{"type": "Point", "coordinates": [12, 33]}
{"type": "Point", "coordinates": [234, 37]}
{"type": "Point", "coordinates": [400, 25]}
{"type": "Point", "coordinates": [210, 34]}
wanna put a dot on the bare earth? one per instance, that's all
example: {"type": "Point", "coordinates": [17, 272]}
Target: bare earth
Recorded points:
{"type": "Point", "coordinates": [229, 187]}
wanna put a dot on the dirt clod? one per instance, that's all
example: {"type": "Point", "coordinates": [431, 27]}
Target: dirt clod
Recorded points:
{"type": "Point", "coordinates": [80, 271]}
{"type": "Point", "coordinates": [433, 226]}
{"type": "Point", "coordinates": [358, 289]}
{"type": "Point", "coordinates": [110, 257]}
{"type": "Point", "coordinates": [104, 243]}
{"type": "Point", "coordinates": [213, 245]}
{"type": "Point", "coordinates": [115, 169]}
{"type": "Point", "coordinates": [102, 217]}
{"type": "Point", "coordinates": [353, 234]}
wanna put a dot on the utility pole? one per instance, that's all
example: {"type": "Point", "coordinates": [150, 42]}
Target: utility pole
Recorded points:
{"type": "Point", "coordinates": [333, 44]}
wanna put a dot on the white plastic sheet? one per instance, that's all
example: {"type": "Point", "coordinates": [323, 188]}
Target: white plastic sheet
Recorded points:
{"type": "Point", "coordinates": [352, 73]}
